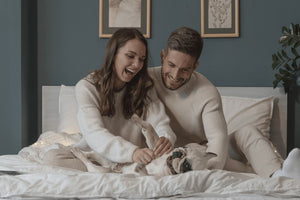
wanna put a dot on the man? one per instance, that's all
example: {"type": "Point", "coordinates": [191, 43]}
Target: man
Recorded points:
{"type": "Point", "coordinates": [192, 102]}
{"type": "Point", "coordinates": [195, 109]}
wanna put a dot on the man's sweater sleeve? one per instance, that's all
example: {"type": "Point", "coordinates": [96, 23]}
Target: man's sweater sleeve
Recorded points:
{"type": "Point", "coordinates": [215, 129]}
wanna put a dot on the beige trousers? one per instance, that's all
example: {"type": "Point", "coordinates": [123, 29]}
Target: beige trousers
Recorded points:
{"type": "Point", "coordinates": [63, 158]}
{"type": "Point", "coordinates": [254, 149]}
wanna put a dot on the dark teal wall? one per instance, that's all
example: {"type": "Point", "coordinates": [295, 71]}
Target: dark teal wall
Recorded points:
{"type": "Point", "coordinates": [10, 76]}
{"type": "Point", "coordinates": [297, 124]}
{"type": "Point", "coordinates": [29, 71]}
{"type": "Point", "coordinates": [18, 74]}
{"type": "Point", "coordinates": [68, 47]}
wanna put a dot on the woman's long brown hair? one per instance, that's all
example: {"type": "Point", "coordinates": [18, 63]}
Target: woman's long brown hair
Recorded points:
{"type": "Point", "coordinates": [135, 99]}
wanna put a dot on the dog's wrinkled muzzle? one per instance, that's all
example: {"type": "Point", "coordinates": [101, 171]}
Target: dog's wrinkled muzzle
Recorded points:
{"type": "Point", "coordinates": [178, 163]}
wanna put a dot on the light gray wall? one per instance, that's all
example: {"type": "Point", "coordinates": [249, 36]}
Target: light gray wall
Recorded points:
{"type": "Point", "coordinates": [68, 47]}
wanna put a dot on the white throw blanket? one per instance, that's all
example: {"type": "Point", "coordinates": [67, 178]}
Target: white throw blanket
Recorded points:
{"type": "Point", "coordinates": [40, 181]}
{"type": "Point", "coordinates": [191, 157]}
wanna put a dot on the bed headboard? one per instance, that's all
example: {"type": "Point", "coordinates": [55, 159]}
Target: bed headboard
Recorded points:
{"type": "Point", "coordinates": [50, 114]}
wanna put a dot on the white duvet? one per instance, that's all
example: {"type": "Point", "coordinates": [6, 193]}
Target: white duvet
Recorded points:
{"type": "Point", "coordinates": [38, 181]}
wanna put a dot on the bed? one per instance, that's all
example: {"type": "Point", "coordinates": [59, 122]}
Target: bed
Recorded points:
{"type": "Point", "coordinates": [23, 176]}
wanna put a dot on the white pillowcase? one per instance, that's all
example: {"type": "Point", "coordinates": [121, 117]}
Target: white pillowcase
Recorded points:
{"type": "Point", "coordinates": [238, 112]}
{"type": "Point", "coordinates": [68, 122]}
{"type": "Point", "coordinates": [241, 111]}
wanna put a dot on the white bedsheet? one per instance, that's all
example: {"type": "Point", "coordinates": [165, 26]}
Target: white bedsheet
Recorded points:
{"type": "Point", "coordinates": [39, 181]}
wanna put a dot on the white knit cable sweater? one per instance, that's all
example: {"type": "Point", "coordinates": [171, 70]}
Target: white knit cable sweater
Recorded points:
{"type": "Point", "coordinates": [196, 114]}
{"type": "Point", "coordinates": [115, 138]}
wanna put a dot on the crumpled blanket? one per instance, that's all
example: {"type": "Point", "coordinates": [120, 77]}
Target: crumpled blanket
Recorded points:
{"type": "Point", "coordinates": [57, 140]}
{"type": "Point", "coordinates": [47, 141]}
{"type": "Point", "coordinates": [173, 163]}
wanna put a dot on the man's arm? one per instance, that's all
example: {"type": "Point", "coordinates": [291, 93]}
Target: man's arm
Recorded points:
{"type": "Point", "coordinates": [215, 129]}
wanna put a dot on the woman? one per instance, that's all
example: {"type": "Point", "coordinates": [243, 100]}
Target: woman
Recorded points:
{"type": "Point", "coordinates": [108, 97]}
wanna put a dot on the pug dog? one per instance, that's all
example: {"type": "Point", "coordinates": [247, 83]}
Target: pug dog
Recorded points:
{"type": "Point", "coordinates": [190, 157]}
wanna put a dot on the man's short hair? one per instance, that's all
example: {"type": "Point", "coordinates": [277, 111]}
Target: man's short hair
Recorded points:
{"type": "Point", "coordinates": [185, 40]}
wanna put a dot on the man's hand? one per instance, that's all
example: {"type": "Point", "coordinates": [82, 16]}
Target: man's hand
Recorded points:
{"type": "Point", "coordinates": [143, 156]}
{"type": "Point", "coordinates": [162, 146]}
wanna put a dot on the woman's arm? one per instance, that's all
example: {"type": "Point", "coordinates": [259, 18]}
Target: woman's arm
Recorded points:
{"type": "Point", "coordinates": [97, 136]}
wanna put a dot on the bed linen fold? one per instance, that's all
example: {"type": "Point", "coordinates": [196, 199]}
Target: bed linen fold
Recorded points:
{"type": "Point", "coordinates": [41, 181]}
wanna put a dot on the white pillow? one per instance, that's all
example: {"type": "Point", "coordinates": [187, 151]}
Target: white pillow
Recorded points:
{"type": "Point", "coordinates": [240, 111]}
{"type": "Point", "coordinates": [68, 122]}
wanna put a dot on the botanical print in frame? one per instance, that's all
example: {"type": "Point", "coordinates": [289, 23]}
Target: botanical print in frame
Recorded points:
{"type": "Point", "coordinates": [115, 14]}
{"type": "Point", "coordinates": [219, 18]}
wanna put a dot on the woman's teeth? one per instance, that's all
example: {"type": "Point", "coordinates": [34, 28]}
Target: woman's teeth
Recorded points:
{"type": "Point", "coordinates": [128, 70]}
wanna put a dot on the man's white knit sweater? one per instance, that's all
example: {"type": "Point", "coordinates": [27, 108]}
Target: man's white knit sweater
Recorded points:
{"type": "Point", "coordinates": [115, 138]}
{"type": "Point", "coordinates": [196, 114]}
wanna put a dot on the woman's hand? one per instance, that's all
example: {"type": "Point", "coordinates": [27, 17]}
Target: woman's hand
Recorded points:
{"type": "Point", "coordinates": [162, 146]}
{"type": "Point", "coordinates": [143, 156]}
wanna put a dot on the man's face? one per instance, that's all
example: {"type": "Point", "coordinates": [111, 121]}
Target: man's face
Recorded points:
{"type": "Point", "coordinates": [177, 68]}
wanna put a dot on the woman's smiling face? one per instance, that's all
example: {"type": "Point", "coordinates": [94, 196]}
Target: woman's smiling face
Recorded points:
{"type": "Point", "coordinates": [128, 61]}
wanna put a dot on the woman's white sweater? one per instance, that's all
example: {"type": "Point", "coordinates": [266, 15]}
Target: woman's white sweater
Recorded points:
{"type": "Point", "coordinates": [115, 138]}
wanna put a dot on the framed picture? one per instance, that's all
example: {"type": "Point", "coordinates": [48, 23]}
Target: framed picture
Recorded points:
{"type": "Point", "coordinates": [219, 18]}
{"type": "Point", "coordinates": [115, 14]}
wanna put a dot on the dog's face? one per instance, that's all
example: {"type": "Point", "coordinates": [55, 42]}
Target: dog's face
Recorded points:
{"type": "Point", "coordinates": [182, 159]}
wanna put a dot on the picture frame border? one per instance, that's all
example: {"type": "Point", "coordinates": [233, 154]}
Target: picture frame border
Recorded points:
{"type": "Point", "coordinates": [222, 32]}
{"type": "Point", "coordinates": [106, 32]}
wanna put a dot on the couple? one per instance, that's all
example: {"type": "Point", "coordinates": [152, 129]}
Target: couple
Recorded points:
{"type": "Point", "coordinates": [172, 98]}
